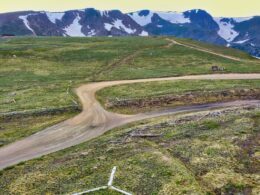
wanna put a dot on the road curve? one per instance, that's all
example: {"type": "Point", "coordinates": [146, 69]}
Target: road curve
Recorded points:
{"type": "Point", "coordinates": [94, 120]}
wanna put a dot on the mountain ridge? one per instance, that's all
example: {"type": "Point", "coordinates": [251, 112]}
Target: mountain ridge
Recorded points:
{"type": "Point", "coordinates": [238, 32]}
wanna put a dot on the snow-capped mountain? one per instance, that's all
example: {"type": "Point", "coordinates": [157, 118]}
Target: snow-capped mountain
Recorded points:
{"type": "Point", "coordinates": [242, 33]}
{"type": "Point", "coordinates": [75, 23]}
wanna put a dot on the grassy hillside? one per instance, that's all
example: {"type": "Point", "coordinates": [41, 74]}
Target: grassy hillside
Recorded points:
{"type": "Point", "coordinates": [41, 72]}
{"type": "Point", "coordinates": [218, 49]}
{"type": "Point", "coordinates": [206, 153]}
{"type": "Point", "coordinates": [141, 97]}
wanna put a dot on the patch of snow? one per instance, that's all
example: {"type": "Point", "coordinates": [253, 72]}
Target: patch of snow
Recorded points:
{"type": "Point", "coordinates": [174, 17]}
{"type": "Point", "coordinates": [252, 44]}
{"type": "Point", "coordinates": [53, 16]}
{"type": "Point", "coordinates": [226, 30]}
{"type": "Point", "coordinates": [242, 19]}
{"type": "Point", "coordinates": [26, 23]}
{"type": "Point", "coordinates": [108, 26]}
{"type": "Point", "coordinates": [119, 25]}
{"type": "Point", "coordinates": [242, 41]}
{"type": "Point", "coordinates": [92, 33]}
{"type": "Point", "coordinates": [74, 29]}
{"type": "Point", "coordinates": [104, 13]}
{"type": "Point", "coordinates": [256, 57]}
{"type": "Point", "coordinates": [143, 34]}
{"type": "Point", "coordinates": [159, 26]}
{"type": "Point", "coordinates": [142, 20]}
{"type": "Point", "coordinates": [228, 45]}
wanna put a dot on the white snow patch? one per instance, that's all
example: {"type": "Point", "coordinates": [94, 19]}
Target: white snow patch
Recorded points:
{"type": "Point", "coordinates": [26, 23]}
{"type": "Point", "coordinates": [242, 19]}
{"type": "Point", "coordinates": [53, 16]}
{"type": "Point", "coordinates": [226, 30]}
{"type": "Point", "coordinates": [159, 26]}
{"type": "Point", "coordinates": [74, 29]}
{"type": "Point", "coordinates": [228, 45]}
{"type": "Point", "coordinates": [143, 34]}
{"type": "Point", "coordinates": [104, 13]}
{"type": "Point", "coordinates": [242, 41]}
{"type": "Point", "coordinates": [252, 44]}
{"type": "Point", "coordinates": [174, 17]}
{"type": "Point", "coordinates": [119, 25]}
{"type": "Point", "coordinates": [142, 20]}
{"type": "Point", "coordinates": [108, 26]}
{"type": "Point", "coordinates": [92, 33]}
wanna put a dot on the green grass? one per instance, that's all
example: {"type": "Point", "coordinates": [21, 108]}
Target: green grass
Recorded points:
{"type": "Point", "coordinates": [218, 49]}
{"type": "Point", "coordinates": [38, 72]}
{"type": "Point", "coordinates": [41, 73]}
{"type": "Point", "coordinates": [195, 155]}
{"type": "Point", "coordinates": [152, 90]}
{"type": "Point", "coordinates": [44, 69]}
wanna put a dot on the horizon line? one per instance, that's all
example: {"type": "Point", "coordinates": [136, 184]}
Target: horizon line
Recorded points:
{"type": "Point", "coordinates": [125, 12]}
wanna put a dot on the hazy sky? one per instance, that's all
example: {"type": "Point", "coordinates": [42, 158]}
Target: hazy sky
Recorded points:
{"type": "Point", "coordinates": [215, 7]}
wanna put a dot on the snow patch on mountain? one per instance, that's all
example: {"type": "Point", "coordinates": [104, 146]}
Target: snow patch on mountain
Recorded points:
{"type": "Point", "coordinates": [242, 19]}
{"type": "Point", "coordinates": [143, 34]}
{"type": "Point", "coordinates": [174, 17]}
{"type": "Point", "coordinates": [119, 25]}
{"type": "Point", "coordinates": [74, 29]}
{"type": "Point", "coordinates": [53, 16]}
{"type": "Point", "coordinates": [104, 13]}
{"type": "Point", "coordinates": [242, 41]}
{"type": "Point", "coordinates": [226, 30]}
{"type": "Point", "coordinates": [26, 23]}
{"type": "Point", "coordinates": [108, 26]}
{"type": "Point", "coordinates": [142, 19]}
{"type": "Point", "coordinates": [92, 33]}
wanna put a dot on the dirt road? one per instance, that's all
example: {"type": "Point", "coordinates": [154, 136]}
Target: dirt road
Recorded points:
{"type": "Point", "coordinates": [203, 50]}
{"type": "Point", "coordinates": [93, 121]}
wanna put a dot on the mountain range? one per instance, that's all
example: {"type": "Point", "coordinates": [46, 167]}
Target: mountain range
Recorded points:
{"type": "Point", "coordinates": [237, 32]}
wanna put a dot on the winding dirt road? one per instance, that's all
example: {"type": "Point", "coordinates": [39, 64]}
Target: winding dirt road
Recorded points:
{"type": "Point", "coordinates": [93, 121]}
